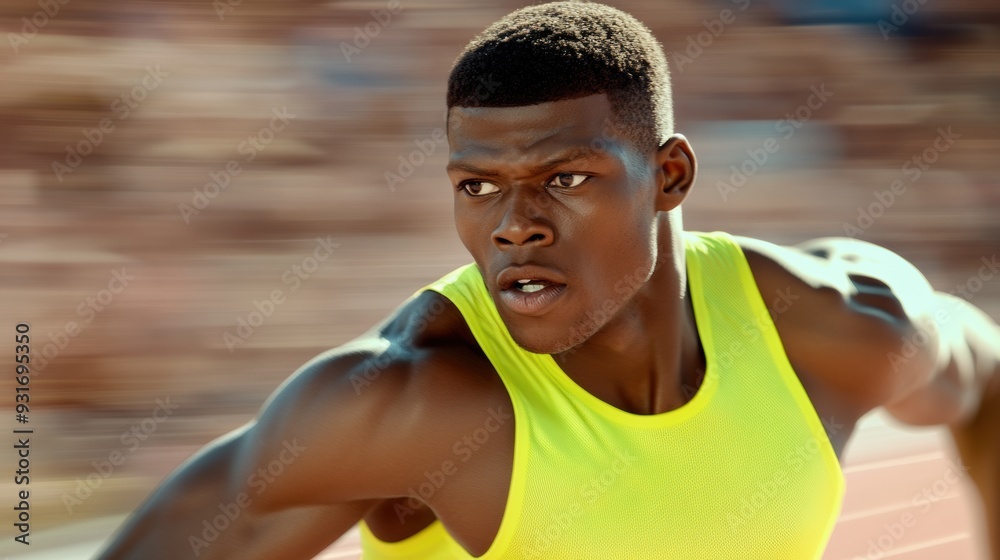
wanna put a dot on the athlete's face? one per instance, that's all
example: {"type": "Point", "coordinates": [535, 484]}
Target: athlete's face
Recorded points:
{"type": "Point", "coordinates": [551, 195]}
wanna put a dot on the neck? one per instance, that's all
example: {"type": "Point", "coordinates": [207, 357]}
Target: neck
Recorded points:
{"type": "Point", "coordinates": [647, 359]}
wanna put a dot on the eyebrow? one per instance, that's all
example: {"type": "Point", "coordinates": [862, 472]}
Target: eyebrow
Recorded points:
{"type": "Point", "coordinates": [573, 154]}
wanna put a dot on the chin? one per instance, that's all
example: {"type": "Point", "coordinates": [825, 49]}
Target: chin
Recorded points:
{"type": "Point", "coordinates": [549, 344]}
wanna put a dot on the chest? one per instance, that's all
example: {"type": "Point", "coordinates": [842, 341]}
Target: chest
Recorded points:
{"type": "Point", "coordinates": [520, 460]}
{"type": "Point", "coordinates": [533, 482]}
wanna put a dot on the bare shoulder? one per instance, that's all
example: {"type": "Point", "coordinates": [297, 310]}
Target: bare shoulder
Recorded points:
{"type": "Point", "coordinates": [843, 308]}
{"type": "Point", "coordinates": [868, 279]}
{"type": "Point", "coordinates": [326, 449]}
{"type": "Point", "coordinates": [377, 411]}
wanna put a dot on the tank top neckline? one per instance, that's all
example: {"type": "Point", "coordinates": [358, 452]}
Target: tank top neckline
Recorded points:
{"type": "Point", "coordinates": [706, 390]}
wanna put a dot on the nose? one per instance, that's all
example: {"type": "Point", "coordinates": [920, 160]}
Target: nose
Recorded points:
{"type": "Point", "coordinates": [523, 224]}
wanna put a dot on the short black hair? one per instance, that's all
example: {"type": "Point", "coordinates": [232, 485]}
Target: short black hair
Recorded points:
{"type": "Point", "coordinates": [567, 50]}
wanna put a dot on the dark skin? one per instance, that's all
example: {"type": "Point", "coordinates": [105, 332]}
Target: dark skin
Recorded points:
{"type": "Point", "coordinates": [375, 415]}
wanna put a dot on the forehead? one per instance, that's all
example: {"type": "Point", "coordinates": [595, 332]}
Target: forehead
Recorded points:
{"type": "Point", "coordinates": [476, 132]}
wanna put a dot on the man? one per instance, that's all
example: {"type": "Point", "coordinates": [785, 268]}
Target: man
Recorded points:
{"type": "Point", "coordinates": [599, 383]}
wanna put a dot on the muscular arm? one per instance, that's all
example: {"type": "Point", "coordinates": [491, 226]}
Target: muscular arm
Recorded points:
{"type": "Point", "coordinates": [960, 387]}
{"type": "Point", "coordinates": [872, 327]}
{"type": "Point", "coordinates": [179, 519]}
{"type": "Point", "coordinates": [965, 372]}
{"type": "Point", "coordinates": [287, 484]}
{"type": "Point", "coordinates": [940, 352]}
{"type": "Point", "coordinates": [961, 390]}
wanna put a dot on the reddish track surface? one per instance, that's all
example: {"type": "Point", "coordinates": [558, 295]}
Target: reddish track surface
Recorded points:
{"type": "Point", "coordinates": [907, 499]}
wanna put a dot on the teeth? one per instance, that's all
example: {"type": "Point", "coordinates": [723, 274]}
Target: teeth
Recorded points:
{"type": "Point", "coordinates": [524, 284]}
{"type": "Point", "coordinates": [530, 285]}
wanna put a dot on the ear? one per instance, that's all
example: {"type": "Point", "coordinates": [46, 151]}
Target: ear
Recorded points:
{"type": "Point", "coordinates": [676, 169]}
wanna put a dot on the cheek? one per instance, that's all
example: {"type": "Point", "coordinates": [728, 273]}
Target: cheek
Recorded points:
{"type": "Point", "coordinates": [626, 256]}
{"type": "Point", "coordinates": [470, 231]}
{"type": "Point", "coordinates": [618, 257]}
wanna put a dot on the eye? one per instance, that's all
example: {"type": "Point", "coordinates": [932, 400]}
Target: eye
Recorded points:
{"type": "Point", "coordinates": [478, 188]}
{"type": "Point", "coordinates": [568, 180]}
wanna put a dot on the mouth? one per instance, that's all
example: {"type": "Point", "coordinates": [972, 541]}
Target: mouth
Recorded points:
{"type": "Point", "coordinates": [530, 290]}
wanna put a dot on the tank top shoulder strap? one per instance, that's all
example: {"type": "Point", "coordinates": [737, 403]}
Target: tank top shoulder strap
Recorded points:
{"type": "Point", "coordinates": [742, 325]}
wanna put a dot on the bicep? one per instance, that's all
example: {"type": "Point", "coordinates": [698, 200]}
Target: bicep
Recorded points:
{"type": "Point", "coordinates": [325, 437]}
{"type": "Point", "coordinates": [284, 485]}
{"type": "Point", "coordinates": [206, 510]}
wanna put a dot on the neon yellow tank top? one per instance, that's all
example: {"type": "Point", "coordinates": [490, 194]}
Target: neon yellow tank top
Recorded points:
{"type": "Point", "coordinates": [743, 470]}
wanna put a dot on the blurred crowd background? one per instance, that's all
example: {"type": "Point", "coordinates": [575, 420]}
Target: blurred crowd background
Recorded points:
{"type": "Point", "coordinates": [168, 167]}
